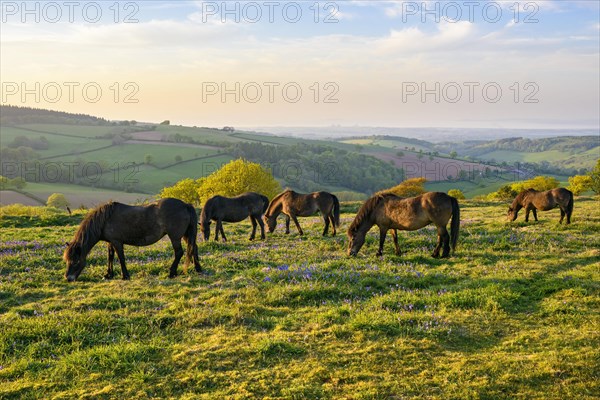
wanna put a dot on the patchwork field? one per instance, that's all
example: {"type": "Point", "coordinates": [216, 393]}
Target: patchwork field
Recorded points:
{"type": "Point", "coordinates": [75, 194]}
{"type": "Point", "coordinates": [514, 314]}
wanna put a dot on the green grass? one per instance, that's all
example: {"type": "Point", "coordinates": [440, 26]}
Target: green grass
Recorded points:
{"type": "Point", "coordinates": [162, 155]}
{"type": "Point", "coordinates": [583, 159]}
{"type": "Point", "coordinates": [58, 145]}
{"type": "Point", "coordinates": [514, 314]}
{"type": "Point", "coordinates": [85, 131]}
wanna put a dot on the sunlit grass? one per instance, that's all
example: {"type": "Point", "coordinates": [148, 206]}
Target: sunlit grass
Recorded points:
{"type": "Point", "coordinates": [514, 314]}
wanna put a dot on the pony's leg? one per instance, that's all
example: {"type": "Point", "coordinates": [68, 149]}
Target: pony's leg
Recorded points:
{"type": "Point", "coordinates": [111, 257]}
{"type": "Point", "coordinates": [562, 215]}
{"type": "Point", "coordinates": [382, 234]}
{"type": "Point", "coordinates": [178, 250]}
{"type": "Point", "coordinates": [395, 238]}
{"type": "Point", "coordinates": [262, 227]}
{"type": "Point", "coordinates": [445, 242]}
{"type": "Point", "coordinates": [287, 224]}
{"type": "Point", "coordinates": [220, 228]}
{"type": "Point", "coordinates": [326, 221]}
{"type": "Point", "coordinates": [442, 232]}
{"type": "Point", "coordinates": [332, 220]}
{"type": "Point", "coordinates": [217, 231]}
{"type": "Point", "coordinates": [568, 216]}
{"type": "Point", "coordinates": [118, 247]}
{"type": "Point", "coordinates": [297, 225]}
{"type": "Point", "coordinates": [527, 211]}
{"type": "Point", "coordinates": [253, 220]}
{"type": "Point", "coordinates": [535, 213]}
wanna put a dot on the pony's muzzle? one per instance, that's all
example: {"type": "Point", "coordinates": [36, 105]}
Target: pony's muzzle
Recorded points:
{"type": "Point", "coordinates": [71, 278]}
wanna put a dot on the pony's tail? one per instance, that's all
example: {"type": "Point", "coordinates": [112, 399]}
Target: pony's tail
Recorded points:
{"type": "Point", "coordinates": [336, 211]}
{"type": "Point", "coordinates": [190, 237]}
{"type": "Point", "coordinates": [570, 205]}
{"type": "Point", "coordinates": [455, 225]}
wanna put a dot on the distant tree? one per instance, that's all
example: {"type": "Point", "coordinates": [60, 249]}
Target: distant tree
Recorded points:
{"type": "Point", "coordinates": [166, 122]}
{"type": "Point", "coordinates": [456, 193]}
{"type": "Point", "coordinates": [409, 188]}
{"type": "Point", "coordinates": [178, 158]}
{"type": "Point", "coordinates": [420, 155]}
{"type": "Point", "coordinates": [595, 175]}
{"type": "Point", "coordinates": [57, 200]}
{"type": "Point", "coordinates": [540, 183]}
{"type": "Point", "coordinates": [148, 159]}
{"type": "Point", "coordinates": [579, 184]}
{"type": "Point", "coordinates": [237, 177]}
{"type": "Point", "coordinates": [506, 192]}
{"type": "Point", "coordinates": [185, 190]}
{"type": "Point", "coordinates": [453, 154]}
{"type": "Point", "coordinates": [400, 154]}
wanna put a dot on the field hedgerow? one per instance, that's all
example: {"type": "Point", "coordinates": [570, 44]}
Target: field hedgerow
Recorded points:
{"type": "Point", "coordinates": [514, 314]}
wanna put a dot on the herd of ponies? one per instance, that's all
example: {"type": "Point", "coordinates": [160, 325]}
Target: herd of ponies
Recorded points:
{"type": "Point", "coordinates": [120, 224]}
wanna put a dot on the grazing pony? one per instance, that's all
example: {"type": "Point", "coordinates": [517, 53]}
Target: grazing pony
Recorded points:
{"type": "Point", "coordinates": [294, 205]}
{"type": "Point", "coordinates": [532, 200]}
{"type": "Point", "coordinates": [234, 209]}
{"type": "Point", "coordinates": [389, 211]}
{"type": "Point", "coordinates": [121, 224]}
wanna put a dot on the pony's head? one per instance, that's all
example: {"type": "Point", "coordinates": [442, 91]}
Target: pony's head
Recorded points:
{"type": "Point", "coordinates": [205, 226]}
{"type": "Point", "coordinates": [271, 222]}
{"type": "Point", "coordinates": [356, 240]}
{"type": "Point", "coordinates": [512, 213]}
{"type": "Point", "coordinates": [75, 260]}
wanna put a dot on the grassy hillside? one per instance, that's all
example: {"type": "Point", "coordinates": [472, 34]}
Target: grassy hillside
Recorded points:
{"type": "Point", "coordinates": [79, 195]}
{"type": "Point", "coordinates": [483, 186]}
{"type": "Point", "coordinates": [514, 314]}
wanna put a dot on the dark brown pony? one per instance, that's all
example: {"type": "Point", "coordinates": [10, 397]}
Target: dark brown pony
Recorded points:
{"type": "Point", "coordinates": [389, 211]}
{"type": "Point", "coordinates": [532, 200]}
{"type": "Point", "coordinates": [294, 205]}
{"type": "Point", "coordinates": [121, 224]}
{"type": "Point", "coordinates": [234, 209]}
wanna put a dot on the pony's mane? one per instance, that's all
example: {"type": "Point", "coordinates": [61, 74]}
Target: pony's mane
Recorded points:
{"type": "Point", "coordinates": [281, 194]}
{"type": "Point", "coordinates": [524, 193]}
{"type": "Point", "coordinates": [91, 226]}
{"type": "Point", "coordinates": [367, 208]}
{"type": "Point", "coordinates": [276, 198]}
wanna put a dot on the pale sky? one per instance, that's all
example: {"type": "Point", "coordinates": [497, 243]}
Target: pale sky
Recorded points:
{"type": "Point", "coordinates": [382, 63]}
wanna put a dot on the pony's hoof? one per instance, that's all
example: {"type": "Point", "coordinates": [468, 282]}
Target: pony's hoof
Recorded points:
{"type": "Point", "coordinates": [126, 277]}
{"type": "Point", "coordinates": [171, 276]}
{"type": "Point", "coordinates": [108, 277]}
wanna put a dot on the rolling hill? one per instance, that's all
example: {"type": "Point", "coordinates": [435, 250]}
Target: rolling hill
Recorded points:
{"type": "Point", "coordinates": [66, 151]}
